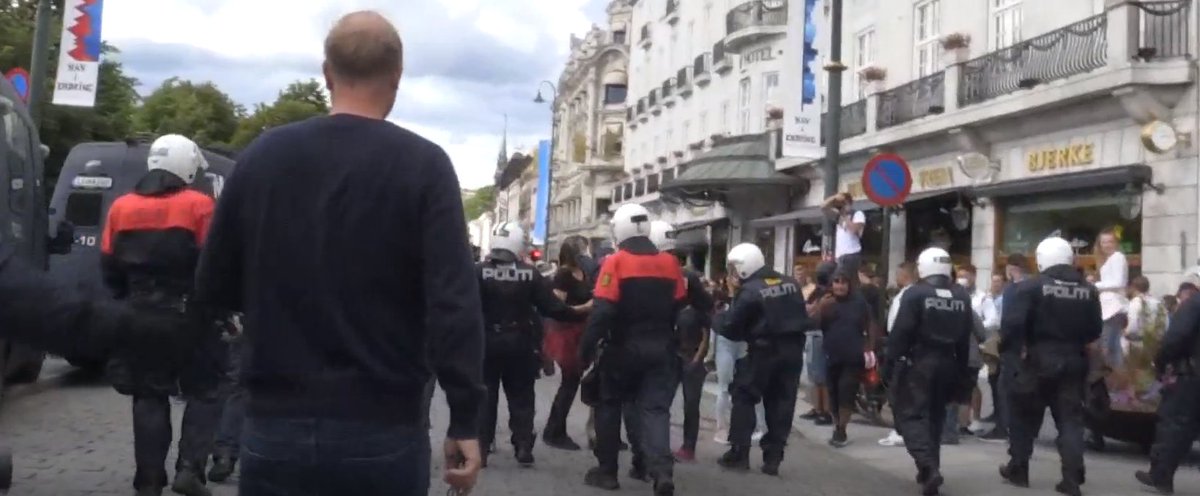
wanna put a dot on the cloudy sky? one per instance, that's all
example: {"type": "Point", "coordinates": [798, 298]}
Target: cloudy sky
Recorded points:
{"type": "Point", "coordinates": [467, 62]}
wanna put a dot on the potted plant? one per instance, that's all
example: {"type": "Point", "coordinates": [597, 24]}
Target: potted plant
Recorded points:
{"type": "Point", "coordinates": [678, 153]}
{"type": "Point", "coordinates": [662, 159]}
{"type": "Point", "coordinates": [875, 76]}
{"type": "Point", "coordinates": [774, 113]}
{"type": "Point", "coordinates": [957, 47]}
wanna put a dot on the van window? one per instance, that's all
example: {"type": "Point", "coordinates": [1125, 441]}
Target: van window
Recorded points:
{"type": "Point", "coordinates": [83, 208]}
{"type": "Point", "coordinates": [19, 157]}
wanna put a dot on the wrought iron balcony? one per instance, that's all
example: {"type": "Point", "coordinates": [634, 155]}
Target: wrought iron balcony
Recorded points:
{"type": "Point", "coordinates": [629, 114]}
{"type": "Point", "coordinates": [1165, 29]}
{"type": "Point", "coordinates": [668, 92]}
{"type": "Point", "coordinates": [702, 69]}
{"type": "Point", "coordinates": [683, 81]}
{"type": "Point", "coordinates": [645, 40]}
{"type": "Point", "coordinates": [654, 99]}
{"type": "Point", "coordinates": [1072, 50]}
{"type": "Point", "coordinates": [854, 121]}
{"type": "Point", "coordinates": [641, 110]}
{"type": "Point", "coordinates": [672, 11]}
{"type": "Point", "coordinates": [911, 101]}
{"type": "Point", "coordinates": [721, 61]}
{"type": "Point", "coordinates": [754, 20]}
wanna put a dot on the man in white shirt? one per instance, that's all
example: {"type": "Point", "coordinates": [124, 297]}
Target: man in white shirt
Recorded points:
{"type": "Point", "coordinates": [984, 305]}
{"type": "Point", "coordinates": [847, 248]}
{"type": "Point", "coordinates": [905, 277]}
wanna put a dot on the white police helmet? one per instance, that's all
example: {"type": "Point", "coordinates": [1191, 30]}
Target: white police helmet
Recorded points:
{"type": "Point", "coordinates": [178, 155]}
{"type": "Point", "coordinates": [662, 234]}
{"type": "Point", "coordinates": [1054, 251]}
{"type": "Point", "coordinates": [934, 262]}
{"type": "Point", "coordinates": [629, 221]}
{"type": "Point", "coordinates": [745, 259]}
{"type": "Point", "coordinates": [510, 237]}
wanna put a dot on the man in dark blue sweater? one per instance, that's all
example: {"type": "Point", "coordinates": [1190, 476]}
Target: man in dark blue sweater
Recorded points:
{"type": "Point", "coordinates": [341, 240]}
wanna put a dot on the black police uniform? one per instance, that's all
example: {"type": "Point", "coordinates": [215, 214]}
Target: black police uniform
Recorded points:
{"type": "Point", "coordinates": [1179, 411]}
{"type": "Point", "coordinates": [1047, 324]}
{"type": "Point", "coordinates": [769, 314]}
{"type": "Point", "coordinates": [514, 294]}
{"type": "Point", "coordinates": [149, 251]}
{"type": "Point", "coordinates": [637, 298]}
{"type": "Point", "coordinates": [928, 352]}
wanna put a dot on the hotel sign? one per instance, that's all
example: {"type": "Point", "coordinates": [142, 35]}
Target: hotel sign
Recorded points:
{"type": "Point", "coordinates": [1059, 159]}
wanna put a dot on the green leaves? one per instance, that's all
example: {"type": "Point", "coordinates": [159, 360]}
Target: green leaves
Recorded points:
{"type": "Point", "coordinates": [299, 101]}
{"type": "Point", "coordinates": [483, 200]}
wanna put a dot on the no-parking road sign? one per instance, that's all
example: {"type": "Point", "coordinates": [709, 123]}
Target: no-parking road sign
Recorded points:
{"type": "Point", "coordinates": [20, 81]}
{"type": "Point", "coordinates": [887, 180]}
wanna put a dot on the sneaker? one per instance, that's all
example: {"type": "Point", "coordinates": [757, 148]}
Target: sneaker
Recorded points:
{"type": "Point", "coordinates": [1017, 476]}
{"type": "Point", "coordinates": [189, 483]}
{"type": "Point", "coordinates": [990, 419]}
{"type": "Point", "coordinates": [824, 419]}
{"type": "Point", "coordinates": [994, 436]}
{"type": "Point", "coordinates": [811, 415]}
{"type": "Point", "coordinates": [839, 439]}
{"type": "Point", "coordinates": [221, 469]}
{"type": "Point", "coordinates": [721, 437]}
{"type": "Point", "coordinates": [1068, 488]}
{"type": "Point", "coordinates": [893, 439]}
{"type": "Point", "coordinates": [757, 436]}
{"type": "Point", "coordinates": [932, 484]}
{"type": "Point", "coordinates": [964, 431]}
{"type": "Point", "coordinates": [977, 426]}
{"type": "Point", "coordinates": [684, 455]}
{"type": "Point", "coordinates": [524, 457]}
{"type": "Point", "coordinates": [561, 442]}
{"type": "Point", "coordinates": [597, 477]}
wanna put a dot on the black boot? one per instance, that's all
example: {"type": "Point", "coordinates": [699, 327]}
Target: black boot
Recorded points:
{"type": "Point", "coordinates": [1161, 486]}
{"type": "Point", "coordinates": [149, 491]}
{"type": "Point", "coordinates": [603, 479]}
{"type": "Point", "coordinates": [665, 487]}
{"type": "Point", "coordinates": [771, 461]}
{"type": "Point", "coordinates": [638, 471]}
{"type": "Point", "coordinates": [1017, 475]}
{"type": "Point", "coordinates": [524, 456]}
{"type": "Point", "coordinates": [559, 441]}
{"type": "Point", "coordinates": [933, 483]}
{"type": "Point", "coordinates": [222, 468]}
{"type": "Point", "coordinates": [923, 475]}
{"type": "Point", "coordinates": [189, 480]}
{"type": "Point", "coordinates": [737, 458]}
{"type": "Point", "coordinates": [1069, 488]}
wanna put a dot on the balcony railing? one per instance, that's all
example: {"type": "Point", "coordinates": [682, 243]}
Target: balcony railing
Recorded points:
{"type": "Point", "coordinates": [653, 98]}
{"type": "Point", "coordinates": [702, 66]}
{"type": "Point", "coordinates": [854, 121]}
{"type": "Point", "coordinates": [911, 101]}
{"type": "Point", "coordinates": [1075, 49]}
{"type": "Point", "coordinates": [756, 13]}
{"type": "Point", "coordinates": [682, 79]}
{"type": "Point", "coordinates": [1164, 29]}
{"type": "Point", "coordinates": [641, 106]}
{"type": "Point", "coordinates": [720, 59]}
{"type": "Point", "coordinates": [668, 88]}
{"type": "Point", "coordinates": [645, 39]}
{"type": "Point", "coordinates": [629, 114]}
{"type": "Point", "coordinates": [672, 6]}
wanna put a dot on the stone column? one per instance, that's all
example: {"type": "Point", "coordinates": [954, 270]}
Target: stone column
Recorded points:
{"type": "Point", "coordinates": [1123, 31]}
{"type": "Point", "coordinates": [983, 243]}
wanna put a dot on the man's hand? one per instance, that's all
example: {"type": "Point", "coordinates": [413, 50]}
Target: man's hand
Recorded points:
{"type": "Point", "coordinates": [462, 464]}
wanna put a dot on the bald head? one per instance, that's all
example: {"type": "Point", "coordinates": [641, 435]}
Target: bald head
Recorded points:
{"type": "Point", "coordinates": [364, 47]}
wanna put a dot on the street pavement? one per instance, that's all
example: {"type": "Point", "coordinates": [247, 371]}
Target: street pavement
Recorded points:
{"type": "Point", "coordinates": [72, 436]}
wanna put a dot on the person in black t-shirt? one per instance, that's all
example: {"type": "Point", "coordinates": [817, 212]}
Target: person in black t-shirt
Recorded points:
{"type": "Point", "coordinates": [573, 285]}
{"type": "Point", "coordinates": [848, 337]}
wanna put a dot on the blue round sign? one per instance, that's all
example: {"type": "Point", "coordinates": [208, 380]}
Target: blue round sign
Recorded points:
{"type": "Point", "coordinates": [887, 180]}
{"type": "Point", "coordinates": [20, 81]}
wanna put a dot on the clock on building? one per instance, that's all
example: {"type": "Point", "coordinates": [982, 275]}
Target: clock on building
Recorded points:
{"type": "Point", "coordinates": [1159, 137]}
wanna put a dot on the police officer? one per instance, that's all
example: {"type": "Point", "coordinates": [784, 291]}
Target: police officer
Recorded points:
{"type": "Point", "coordinates": [928, 351]}
{"type": "Point", "coordinates": [149, 249]}
{"type": "Point", "coordinates": [514, 294]}
{"type": "Point", "coordinates": [768, 313]}
{"type": "Point", "coordinates": [1047, 323]}
{"type": "Point", "coordinates": [692, 328]}
{"type": "Point", "coordinates": [638, 295]}
{"type": "Point", "coordinates": [1178, 365]}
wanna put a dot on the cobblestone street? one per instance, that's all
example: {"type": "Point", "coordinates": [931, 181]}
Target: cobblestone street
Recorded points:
{"type": "Point", "coordinates": [73, 437]}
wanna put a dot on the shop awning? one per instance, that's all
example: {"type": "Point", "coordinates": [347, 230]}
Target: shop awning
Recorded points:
{"type": "Point", "coordinates": [1111, 176]}
{"type": "Point", "coordinates": [737, 162]}
{"type": "Point", "coordinates": [693, 234]}
{"type": "Point", "coordinates": [813, 215]}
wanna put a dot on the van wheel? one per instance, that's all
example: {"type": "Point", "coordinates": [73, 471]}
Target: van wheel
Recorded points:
{"type": "Point", "coordinates": [27, 372]}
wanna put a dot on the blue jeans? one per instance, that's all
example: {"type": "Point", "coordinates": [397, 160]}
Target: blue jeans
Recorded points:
{"type": "Point", "coordinates": [727, 354]}
{"type": "Point", "coordinates": [233, 398]}
{"type": "Point", "coordinates": [315, 457]}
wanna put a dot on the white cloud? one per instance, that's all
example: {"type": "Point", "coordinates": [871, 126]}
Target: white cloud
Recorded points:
{"type": "Point", "coordinates": [272, 40]}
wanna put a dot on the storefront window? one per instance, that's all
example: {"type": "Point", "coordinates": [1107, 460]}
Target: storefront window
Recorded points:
{"type": "Point", "coordinates": [931, 223]}
{"type": "Point", "coordinates": [765, 239]}
{"type": "Point", "coordinates": [872, 240]}
{"type": "Point", "coordinates": [807, 245]}
{"type": "Point", "coordinates": [1078, 219]}
{"type": "Point", "coordinates": [719, 247]}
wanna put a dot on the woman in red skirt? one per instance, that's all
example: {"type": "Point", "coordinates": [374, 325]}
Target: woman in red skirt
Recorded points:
{"type": "Point", "coordinates": [572, 285]}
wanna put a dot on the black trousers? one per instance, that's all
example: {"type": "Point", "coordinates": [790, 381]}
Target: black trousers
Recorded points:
{"type": "Point", "coordinates": [923, 390]}
{"type": "Point", "coordinates": [843, 380]}
{"type": "Point", "coordinates": [641, 388]}
{"type": "Point", "coordinates": [515, 369]}
{"type": "Point", "coordinates": [1178, 427]}
{"type": "Point", "coordinates": [152, 436]}
{"type": "Point", "coordinates": [693, 375]}
{"type": "Point", "coordinates": [1029, 397]}
{"type": "Point", "coordinates": [769, 374]}
{"type": "Point", "coordinates": [564, 398]}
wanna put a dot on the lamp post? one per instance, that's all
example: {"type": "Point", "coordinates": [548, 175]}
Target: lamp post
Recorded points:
{"type": "Point", "coordinates": [553, 148]}
{"type": "Point", "coordinates": [37, 66]}
{"type": "Point", "coordinates": [833, 120]}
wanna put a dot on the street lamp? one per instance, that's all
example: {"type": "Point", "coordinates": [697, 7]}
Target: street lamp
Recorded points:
{"type": "Point", "coordinates": [833, 121]}
{"type": "Point", "coordinates": [553, 146]}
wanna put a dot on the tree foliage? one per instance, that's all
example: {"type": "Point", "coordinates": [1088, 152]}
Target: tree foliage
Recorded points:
{"type": "Point", "coordinates": [200, 111]}
{"type": "Point", "coordinates": [484, 200]}
{"type": "Point", "coordinates": [299, 101]}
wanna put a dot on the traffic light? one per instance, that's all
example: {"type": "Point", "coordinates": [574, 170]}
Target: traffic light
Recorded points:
{"type": "Point", "coordinates": [809, 73]}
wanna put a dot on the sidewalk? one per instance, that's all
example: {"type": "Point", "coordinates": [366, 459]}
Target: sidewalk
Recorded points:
{"type": "Point", "coordinates": [972, 466]}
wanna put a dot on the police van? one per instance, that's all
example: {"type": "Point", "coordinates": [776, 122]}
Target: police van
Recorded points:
{"type": "Point", "coordinates": [22, 213]}
{"type": "Point", "coordinates": [93, 175]}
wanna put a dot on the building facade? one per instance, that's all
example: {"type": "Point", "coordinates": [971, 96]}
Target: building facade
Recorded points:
{"type": "Point", "coordinates": [516, 189]}
{"type": "Point", "coordinates": [589, 120]}
{"type": "Point", "coordinates": [703, 72]}
{"type": "Point", "coordinates": [1019, 119]}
